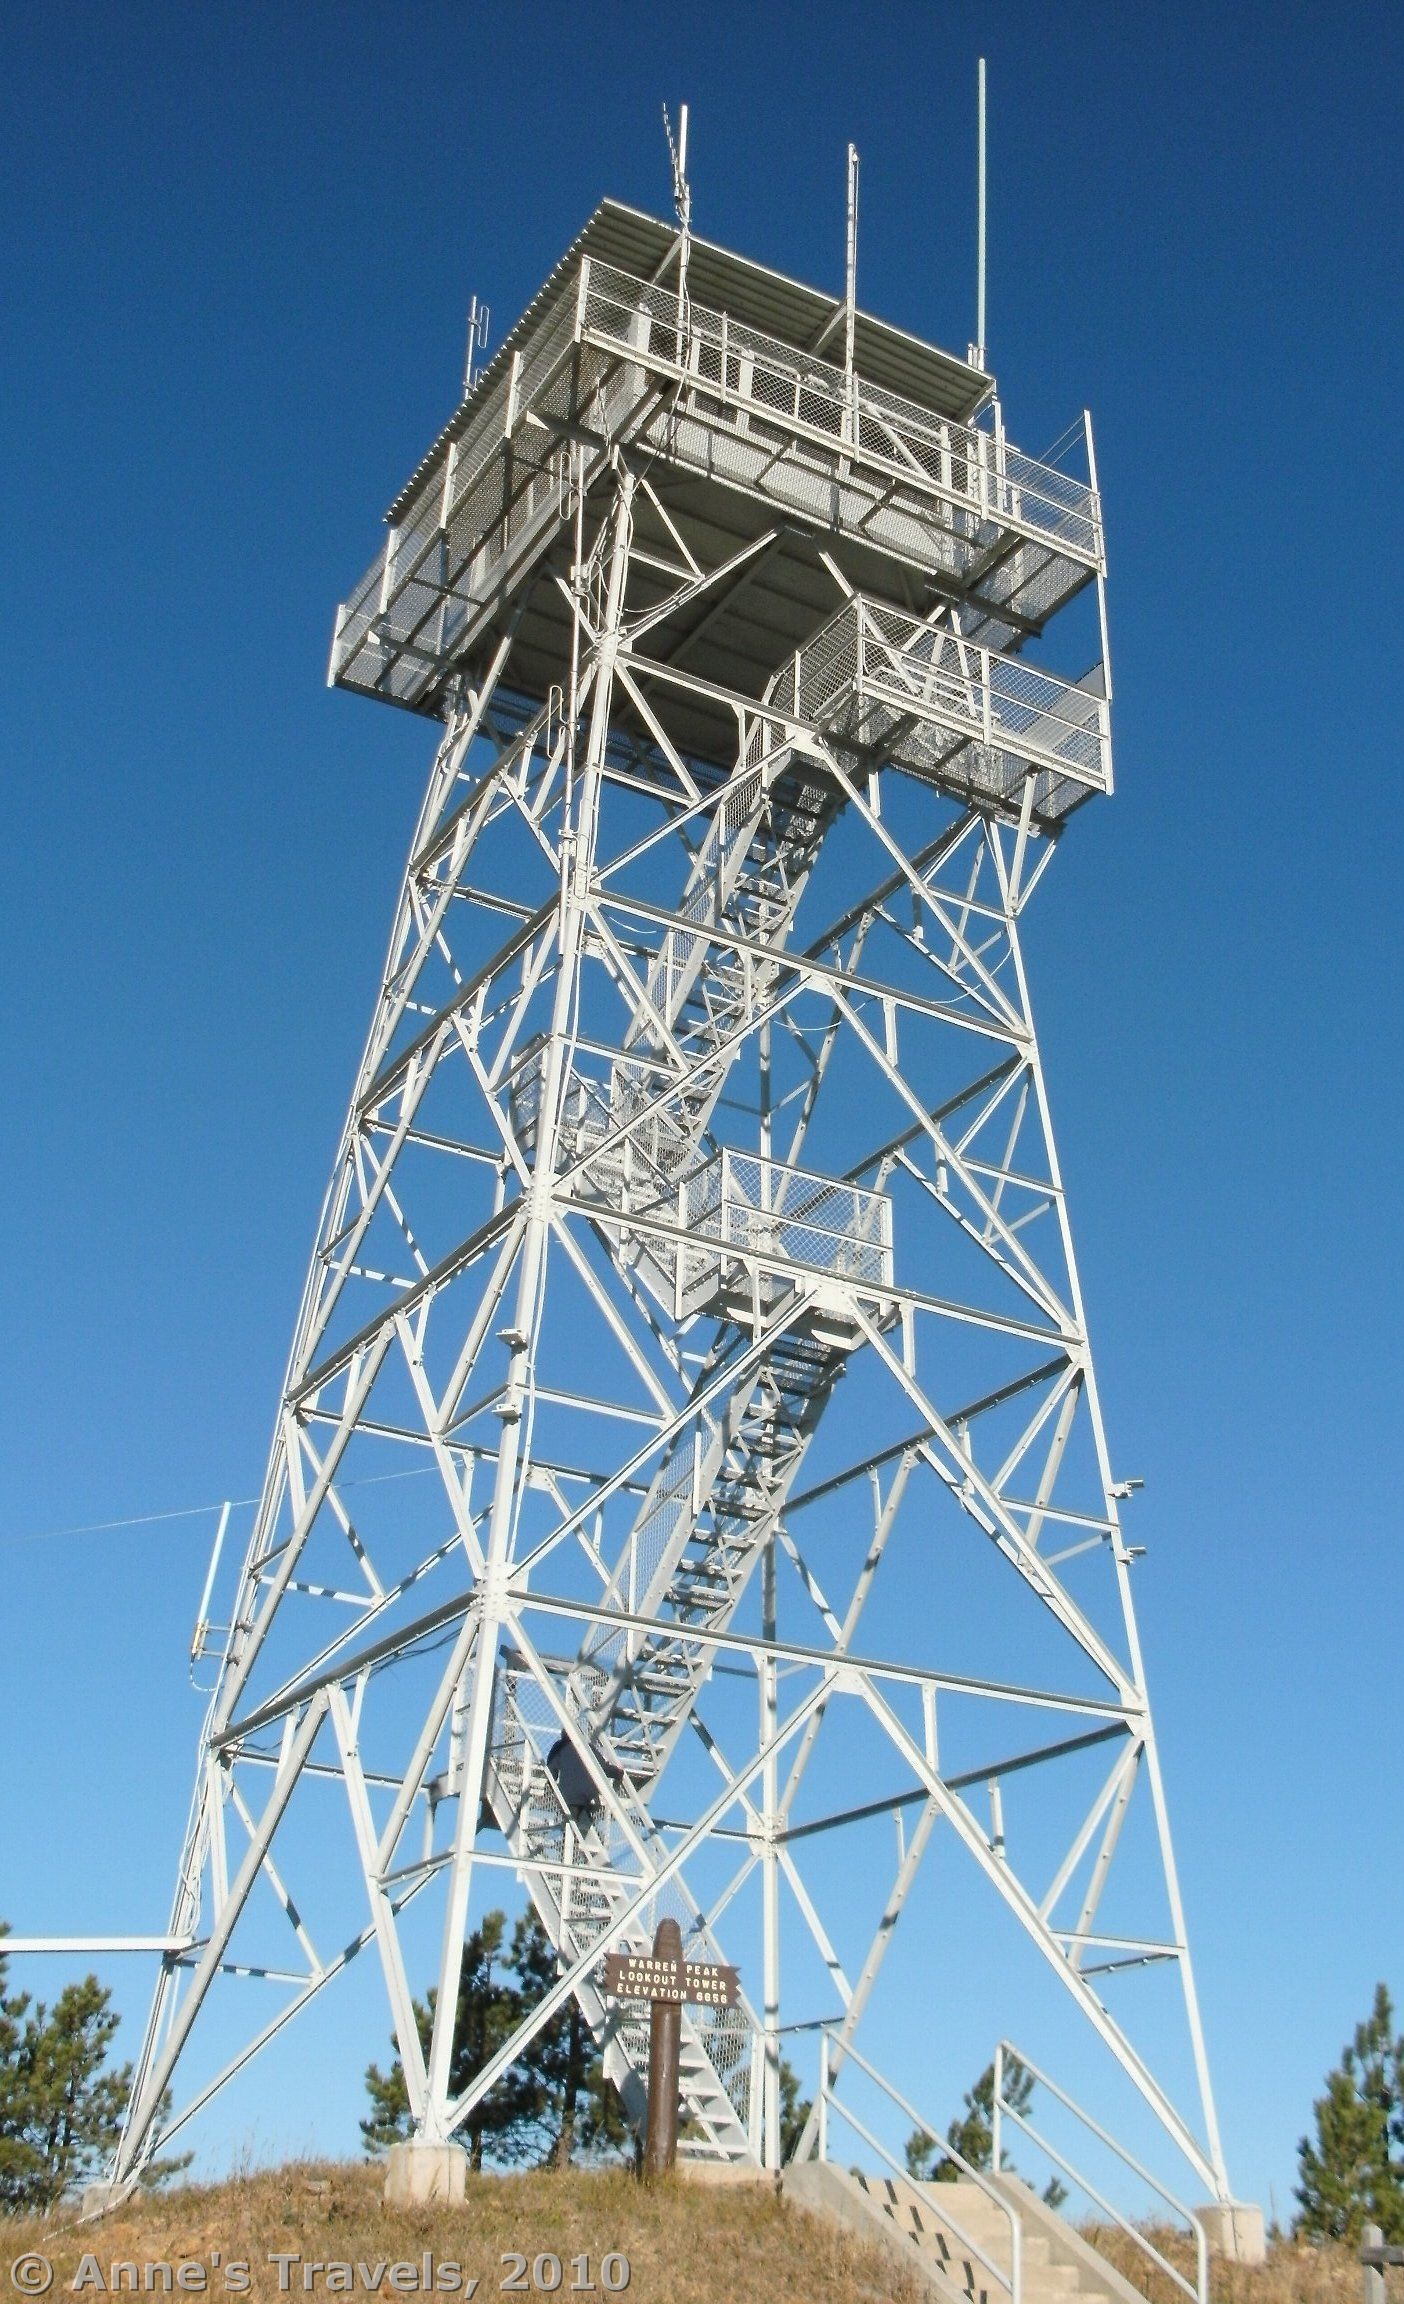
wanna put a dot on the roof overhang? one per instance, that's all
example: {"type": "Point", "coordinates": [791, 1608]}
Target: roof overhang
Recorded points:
{"type": "Point", "coordinates": [751, 293]}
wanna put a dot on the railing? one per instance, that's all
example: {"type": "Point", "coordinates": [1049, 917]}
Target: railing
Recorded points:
{"type": "Point", "coordinates": [1010, 2282]}
{"type": "Point", "coordinates": [1003, 2109]}
{"type": "Point", "coordinates": [480, 495]}
{"type": "Point", "coordinates": [639, 1169]}
{"type": "Point", "coordinates": [742, 1206]}
{"type": "Point", "coordinates": [473, 506]}
{"type": "Point", "coordinates": [874, 671]}
{"type": "Point", "coordinates": [736, 1207]}
{"type": "Point", "coordinates": [1000, 699]}
{"type": "Point", "coordinates": [748, 370]}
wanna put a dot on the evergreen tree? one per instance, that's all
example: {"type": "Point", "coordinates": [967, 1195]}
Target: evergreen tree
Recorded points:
{"type": "Point", "coordinates": [568, 2103]}
{"type": "Point", "coordinates": [919, 2152]}
{"type": "Point", "coordinates": [552, 2101]}
{"type": "Point", "coordinates": [794, 2109]}
{"type": "Point", "coordinates": [1352, 2172]}
{"type": "Point", "coordinates": [60, 2110]}
{"type": "Point", "coordinates": [972, 2136]}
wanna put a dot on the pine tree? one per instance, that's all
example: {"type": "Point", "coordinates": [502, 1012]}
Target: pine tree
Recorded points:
{"type": "Point", "coordinates": [1352, 2173]}
{"type": "Point", "coordinates": [487, 2011]}
{"type": "Point", "coordinates": [794, 2109]}
{"type": "Point", "coordinates": [15, 2159]}
{"type": "Point", "coordinates": [552, 2101]}
{"type": "Point", "coordinates": [972, 2136]}
{"type": "Point", "coordinates": [573, 2107]}
{"type": "Point", "coordinates": [60, 2110]}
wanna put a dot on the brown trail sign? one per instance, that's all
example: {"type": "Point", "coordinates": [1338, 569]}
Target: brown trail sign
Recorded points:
{"type": "Point", "coordinates": [666, 1980]}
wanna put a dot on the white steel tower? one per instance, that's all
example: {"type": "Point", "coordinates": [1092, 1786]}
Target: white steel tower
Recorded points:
{"type": "Point", "coordinates": [697, 1235]}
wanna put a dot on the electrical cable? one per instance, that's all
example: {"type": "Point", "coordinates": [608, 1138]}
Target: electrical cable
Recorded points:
{"type": "Point", "coordinates": [197, 1511]}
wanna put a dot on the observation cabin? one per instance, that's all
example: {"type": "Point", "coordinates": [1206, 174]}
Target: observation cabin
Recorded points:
{"type": "Point", "coordinates": [877, 554]}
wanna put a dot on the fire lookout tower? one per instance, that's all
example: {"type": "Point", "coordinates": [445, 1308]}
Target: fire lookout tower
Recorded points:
{"type": "Point", "coordinates": [697, 1235]}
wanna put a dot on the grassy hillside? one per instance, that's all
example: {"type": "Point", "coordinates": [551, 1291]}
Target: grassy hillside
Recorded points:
{"type": "Point", "coordinates": [684, 2244]}
{"type": "Point", "coordinates": [1291, 2275]}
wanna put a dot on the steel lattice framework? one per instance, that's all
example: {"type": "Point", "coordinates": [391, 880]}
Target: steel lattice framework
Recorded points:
{"type": "Point", "coordinates": [697, 1232]}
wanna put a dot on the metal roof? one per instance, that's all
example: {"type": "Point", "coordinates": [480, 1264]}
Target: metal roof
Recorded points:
{"type": "Point", "coordinates": [749, 292]}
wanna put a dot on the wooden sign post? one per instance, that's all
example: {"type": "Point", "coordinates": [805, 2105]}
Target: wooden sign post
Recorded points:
{"type": "Point", "coordinates": [666, 1980]}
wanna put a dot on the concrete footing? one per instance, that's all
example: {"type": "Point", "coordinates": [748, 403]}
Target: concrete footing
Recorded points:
{"type": "Point", "coordinates": [1234, 2230]}
{"type": "Point", "coordinates": [419, 2173]}
{"type": "Point", "coordinates": [100, 2199]}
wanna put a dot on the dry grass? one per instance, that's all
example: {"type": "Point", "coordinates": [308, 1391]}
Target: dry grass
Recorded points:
{"type": "Point", "coordinates": [685, 2243]}
{"type": "Point", "coordinates": [1291, 2275]}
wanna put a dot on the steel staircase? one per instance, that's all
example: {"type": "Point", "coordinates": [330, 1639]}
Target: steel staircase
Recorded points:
{"type": "Point", "coordinates": [721, 1485]}
{"type": "Point", "coordinates": [580, 1868]}
{"type": "Point", "coordinates": [782, 1256]}
{"type": "Point", "coordinates": [715, 1500]}
{"type": "Point", "coordinates": [625, 1144]}
{"type": "Point", "coordinates": [746, 881]}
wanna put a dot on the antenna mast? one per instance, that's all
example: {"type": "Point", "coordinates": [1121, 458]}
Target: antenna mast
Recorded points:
{"type": "Point", "coordinates": [978, 347]}
{"type": "Point", "coordinates": [479, 321]}
{"type": "Point", "coordinates": [850, 284]}
{"type": "Point", "coordinates": [682, 197]}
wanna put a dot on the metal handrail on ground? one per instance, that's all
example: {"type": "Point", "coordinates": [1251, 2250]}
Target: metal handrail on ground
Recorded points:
{"type": "Point", "coordinates": [1012, 2282]}
{"type": "Point", "coordinates": [1003, 2110]}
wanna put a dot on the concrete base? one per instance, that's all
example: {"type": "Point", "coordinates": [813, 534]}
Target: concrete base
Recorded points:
{"type": "Point", "coordinates": [100, 2200]}
{"type": "Point", "coordinates": [1234, 2230]}
{"type": "Point", "coordinates": [416, 2174]}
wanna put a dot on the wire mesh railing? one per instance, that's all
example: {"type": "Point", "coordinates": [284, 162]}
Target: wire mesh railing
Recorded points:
{"type": "Point", "coordinates": [602, 356]}
{"type": "Point", "coordinates": [873, 668]}
{"type": "Point", "coordinates": [747, 368]}
{"type": "Point", "coordinates": [744, 1207]}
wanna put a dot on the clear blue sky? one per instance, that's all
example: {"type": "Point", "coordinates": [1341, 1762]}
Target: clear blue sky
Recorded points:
{"type": "Point", "coordinates": [236, 250]}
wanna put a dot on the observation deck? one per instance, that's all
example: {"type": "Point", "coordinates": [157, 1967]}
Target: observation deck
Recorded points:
{"type": "Point", "coordinates": [750, 1227]}
{"type": "Point", "coordinates": [883, 683]}
{"type": "Point", "coordinates": [881, 472]}
{"type": "Point", "coordinates": [730, 1234]}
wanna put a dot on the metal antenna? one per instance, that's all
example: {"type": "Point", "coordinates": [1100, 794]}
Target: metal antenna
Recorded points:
{"type": "Point", "coordinates": [479, 321]}
{"type": "Point", "coordinates": [201, 1636]}
{"type": "Point", "coordinates": [682, 205]}
{"type": "Point", "coordinates": [979, 345]}
{"type": "Point", "coordinates": [677, 153]}
{"type": "Point", "coordinates": [850, 283]}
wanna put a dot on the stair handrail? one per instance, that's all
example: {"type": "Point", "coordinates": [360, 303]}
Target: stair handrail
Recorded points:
{"type": "Point", "coordinates": [829, 2039]}
{"type": "Point", "coordinates": [1002, 2110]}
